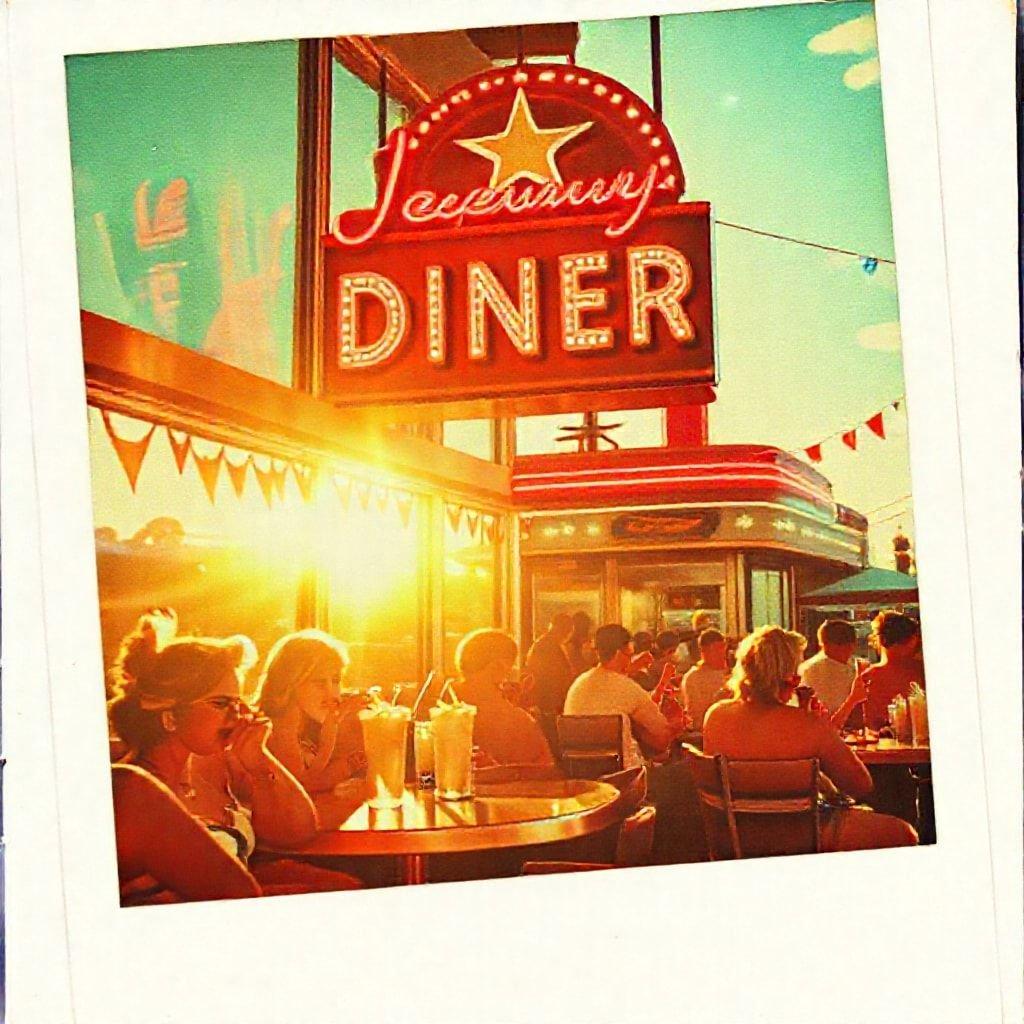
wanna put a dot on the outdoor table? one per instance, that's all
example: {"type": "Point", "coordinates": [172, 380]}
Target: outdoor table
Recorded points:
{"type": "Point", "coordinates": [892, 752]}
{"type": "Point", "coordinates": [500, 815]}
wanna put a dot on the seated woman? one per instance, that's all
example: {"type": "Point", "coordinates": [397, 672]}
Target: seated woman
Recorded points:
{"type": "Point", "coordinates": [316, 733]}
{"type": "Point", "coordinates": [176, 705]}
{"type": "Point", "coordinates": [757, 725]}
{"type": "Point", "coordinates": [505, 733]}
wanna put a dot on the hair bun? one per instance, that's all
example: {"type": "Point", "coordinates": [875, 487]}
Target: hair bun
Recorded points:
{"type": "Point", "coordinates": [141, 648]}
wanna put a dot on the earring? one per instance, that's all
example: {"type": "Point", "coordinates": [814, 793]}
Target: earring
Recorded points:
{"type": "Point", "coordinates": [168, 722]}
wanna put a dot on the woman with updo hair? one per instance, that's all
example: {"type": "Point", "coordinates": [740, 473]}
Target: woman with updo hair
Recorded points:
{"type": "Point", "coordinates": [316, 733]}
{"type": "Point", "coordinates": [198, 768]}
{"type": "Point", "coordinates": [757, 724]}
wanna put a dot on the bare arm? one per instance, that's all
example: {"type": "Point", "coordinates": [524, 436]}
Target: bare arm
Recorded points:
{"type": "Point", "coordinates": [156, 836]}
{"type": "Point", "coordinates": [655, 729]}
{"type": "Point", "coordinates": [857, 695]}
{"type": "Point", "coordinates": [842, 765]}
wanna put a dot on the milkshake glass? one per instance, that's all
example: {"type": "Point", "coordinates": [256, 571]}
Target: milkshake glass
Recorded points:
{"type": "Point", "coordinates": [453, 750]}
{"type": "Point", "coordinates": [385, 735]}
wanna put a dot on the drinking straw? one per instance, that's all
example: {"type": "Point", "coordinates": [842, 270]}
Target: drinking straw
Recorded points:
{"type": "Point", "coordinates": [395, 693]}
{"type": "Point", "coordinates": [423, 691]}
{"type": "Point", "coordinates": [448, 688]}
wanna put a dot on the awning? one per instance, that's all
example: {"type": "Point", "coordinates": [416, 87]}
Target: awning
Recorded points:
{"type": "Point", "coordinates": [870, 587]}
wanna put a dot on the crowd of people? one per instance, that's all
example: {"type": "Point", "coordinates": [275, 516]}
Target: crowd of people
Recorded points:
{"type": "Point", "coordinates": [207, 767]}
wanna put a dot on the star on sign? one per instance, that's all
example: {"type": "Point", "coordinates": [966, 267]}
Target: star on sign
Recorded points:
{"type": "Point", "coordinates": [523, 150]}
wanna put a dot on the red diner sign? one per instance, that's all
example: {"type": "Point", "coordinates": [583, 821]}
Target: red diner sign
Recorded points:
{"type": "Point", "coordinates": [527, 252]}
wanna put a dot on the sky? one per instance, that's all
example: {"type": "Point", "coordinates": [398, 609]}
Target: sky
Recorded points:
{"type": "Point", "coordinates": [777, 116]}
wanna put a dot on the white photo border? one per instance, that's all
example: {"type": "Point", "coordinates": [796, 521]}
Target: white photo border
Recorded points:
{"type": "Point", "coordinates": [896, 930]}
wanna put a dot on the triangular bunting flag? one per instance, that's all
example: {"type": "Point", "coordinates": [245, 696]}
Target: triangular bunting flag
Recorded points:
{"type": "Point", "coordinates": [343, 485]}
{"type": "Point", "coordinates": [381, 494]}
{"type": "Point", "coordinates": [304, 478]}
{"type": "Point", "coordinates": [499, 529]}
{"type": "Point", "coordinates": [364, 490]}
{"type": "Point", "coordinates": [265, 478]}
{"type": "Point", "coordinates": [209, 470]}
{"type": "Point", "coordinates": [876, 426]}
{"type": "Point", "coordinates": [454, 516]}
{"type": "Point", "coordinates": [850, 439]}
{"type": "Point", "coordinates": [180, 447]}
{"type": "Point", "coordinates": [404, 502]}
{"type": "Point", "coordinates": [489, 529]}
{"type": "Point", "coordinates": [129, 453]}
{"type": "Point", "coordinates": [814, 452]}
{"type": "Point", "coordinates": [896, 405]}
{"type": "Point", "coordinates": [472, 521]}
{"type": "Point", "coordinates": [277, 474]}
{"type": "Point", "coordinates": [237, 474]}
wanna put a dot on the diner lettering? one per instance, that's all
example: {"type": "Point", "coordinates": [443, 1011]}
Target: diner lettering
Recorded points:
{"type": "Point", "coordinates": [658, 279]}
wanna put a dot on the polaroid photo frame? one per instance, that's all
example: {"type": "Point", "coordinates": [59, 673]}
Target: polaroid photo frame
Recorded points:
{"type": "Point", "coordinates": [902, 935]}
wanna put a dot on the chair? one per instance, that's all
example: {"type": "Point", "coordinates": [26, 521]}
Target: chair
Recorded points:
{"type": "Point", "coordinates": [756, 808]}
{"type": "Point", "coordinates": [591, 745]}
{"type": "Point", "coordinates": [633, 848]}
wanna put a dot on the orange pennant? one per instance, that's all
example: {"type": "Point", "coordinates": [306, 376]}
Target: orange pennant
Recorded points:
{"type": "Point", "coordinates": [404, 502]}
{"type": "Point", "coordinates": [129, 453]}
{"type": "Point", "coordinates": [209, 470]}
{"type": "Point", "coordinates": [304, 478]}
{"type": "Point", "coordinates": [180, 449]}
{"type": "Point", "coordinates": [343, 485]}
{"type": "Point", "coordinates": [472, 521]}
{"type": "Point", "coordinates": [489, 522]}
{"type": "Point", "coordinates": [265, 478]}
{"type": "Point", "coordinates": [237, 474]}
{"type": "Point", "coordinates": [277, 474]}
{"type": "Point", "coordinates": [454, 516]}
{"type": "Point", "coordinates": [363, 492]}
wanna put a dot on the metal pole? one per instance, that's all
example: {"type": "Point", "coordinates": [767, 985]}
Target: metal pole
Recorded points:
{"type": "Point", "coordinates": [656, 63]}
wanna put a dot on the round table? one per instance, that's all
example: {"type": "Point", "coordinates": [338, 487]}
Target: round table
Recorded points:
{"type": "Point", "coordinates": [500, 815]}
{"type": "Point", "coordinates": [891, 752]}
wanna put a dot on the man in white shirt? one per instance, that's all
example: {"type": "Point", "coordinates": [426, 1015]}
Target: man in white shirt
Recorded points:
{"type": "Point", "coordinates": [702, 684]}
{"type": "Point", "coordinates": [831, 671]}
{"type": "Point", "coordinates": [607, 690]}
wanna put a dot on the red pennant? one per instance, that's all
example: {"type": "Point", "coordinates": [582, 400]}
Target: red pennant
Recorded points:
{"type": "Point", "coordinates": [304, 478]}
{"type": "Point", "coordinates": [364, 491]}
{"type": "Point", "coordinates": [472, 521]}
{"type": "Point", "coordinates": [814, 452]}
{"type": "Point", "coordinates": [343, 485]}
{"type": "Point", "coordinates": [265, 478]}
{"type": "Point", "coordinates": [850, 439]}
{"type": "Point", "coordinates": [180, 449]}
{"type": "Point", "coordinates": [209, 470]}
{"type": "Point", "coordinates": [129, 453]}
{"type": "Point", "coordinates": [277, 474]}
{"type": "Point", "coordinates": [237, 474]}
{"type": "Point", "coordinates": [404, 502]}
{"type": "Point", "coordinates": [454, 516]}
{"type": "Point", "coordinates": [876, 426]}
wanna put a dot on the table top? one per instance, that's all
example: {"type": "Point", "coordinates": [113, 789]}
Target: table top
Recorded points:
{"type": "Point", "coordinates": [886, 751]}
{"type": "Point", "coordinates": [501, 814]}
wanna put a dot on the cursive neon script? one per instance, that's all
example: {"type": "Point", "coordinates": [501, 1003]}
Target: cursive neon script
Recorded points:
{"type": "Point", "coordinates": [425, 207]}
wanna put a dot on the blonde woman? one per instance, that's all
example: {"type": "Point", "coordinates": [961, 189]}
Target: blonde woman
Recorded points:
{"type": "Point", "coordinates": [199, 769]}
{"type": "Point", "coordinates": [756, 724]}
{"type": "Point", "coordinates": [316, 733]}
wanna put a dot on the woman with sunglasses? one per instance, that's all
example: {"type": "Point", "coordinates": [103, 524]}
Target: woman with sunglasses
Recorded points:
{"type": "Point", "coordinates": [757, 724]}
{"type": "Point", "coordinates": [316, 732]}
{"type": "Point", "coordinates": [195, 747]}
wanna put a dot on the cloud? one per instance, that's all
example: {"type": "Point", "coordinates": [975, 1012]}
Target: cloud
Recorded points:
{"type": "Point", "coordinates": [860, 76]}
{"type": "Point", "coordinates": [855, 36]}
{"type": "Point", "coordinates": [880, 337]}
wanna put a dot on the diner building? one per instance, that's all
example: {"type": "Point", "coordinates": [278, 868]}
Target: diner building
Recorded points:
{"type": "Point", "coordinates": [229, 485]}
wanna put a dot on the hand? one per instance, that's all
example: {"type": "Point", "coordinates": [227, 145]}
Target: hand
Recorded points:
{"type": "Point", "coordinates": [642, 661]}
{"type": "Point", "coordinates": [481, 759]}
{"type": "Point", "coordinates": [859, 690]}
{"type": "Point", "coordinates": [248, 743]}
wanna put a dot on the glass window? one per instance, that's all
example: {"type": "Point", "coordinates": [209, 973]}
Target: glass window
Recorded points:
{"type": "Point", "coordinates": [638, 428]}
{"type": "Point", "coordinates": [769, 598]}
{"type": "Point", "coordinates": [566, 587]}
{"type": "Point", "coordinates": [660, 597]}
{"type": "Point", "coordinates": [354, 112]}
{"type": "Point", "coordinates": [226, 566]}
{"type": "Point", "coordinates": [183, 167]}
{"type": "Point", "coordinates": [470, 563]}
{"type": "Point", "coordinates": [370, 553]}
{"type": "Point", "coordinates": [474, 437]}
